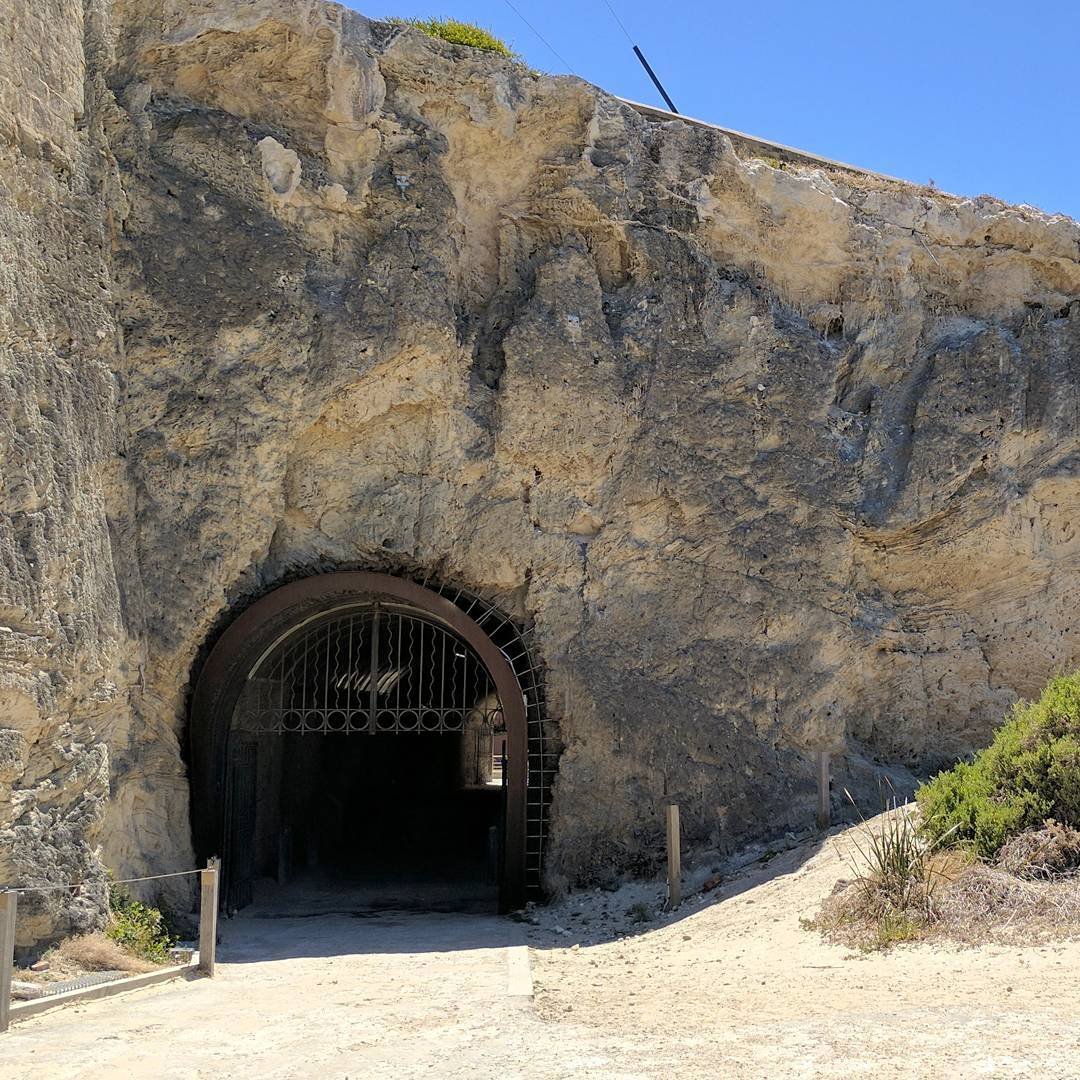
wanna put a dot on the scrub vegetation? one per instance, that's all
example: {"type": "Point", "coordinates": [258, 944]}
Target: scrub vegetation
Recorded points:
{"type": "Point", "coordinates": [137, 927]}
{"type": "Point", "coordinates": [990, 850]}
{"type": "Point", "coordinates": [460, 33]}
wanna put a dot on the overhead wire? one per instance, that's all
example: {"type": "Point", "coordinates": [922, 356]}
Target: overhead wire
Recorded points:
{"type": "Point", "coordinates": [615, 16]}
{"type": "Point", "coordinates": [551, 48]}
{"type": "Point", "coordinates": [641, 58]}
{"type": "Point", "coordinates": [81, 884]}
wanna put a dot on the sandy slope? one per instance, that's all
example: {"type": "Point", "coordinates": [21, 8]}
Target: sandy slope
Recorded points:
{"type": "Point", "coordinates": [738, 979]}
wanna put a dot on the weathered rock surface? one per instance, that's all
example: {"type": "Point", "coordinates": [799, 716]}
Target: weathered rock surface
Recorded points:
{"type": "Point", "coordinates": [776, 458]}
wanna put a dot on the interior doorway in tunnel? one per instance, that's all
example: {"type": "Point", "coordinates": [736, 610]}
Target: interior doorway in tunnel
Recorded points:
{"type": "Point", "coordinates": [359, 741]}
{"type": "Point", "coordinates": [391, 821]}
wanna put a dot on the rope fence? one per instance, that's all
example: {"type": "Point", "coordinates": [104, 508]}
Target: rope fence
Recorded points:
{"type": "Point", "coordinates": [209, 878]}
{"type": "Point", "coordinates": [83, 884]}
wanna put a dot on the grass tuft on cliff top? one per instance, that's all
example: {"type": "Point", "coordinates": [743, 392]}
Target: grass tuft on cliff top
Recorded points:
{"type": "Point", "coordinates": [1028, 774]}
{"type": "Point", "coordinates": [460, 33]}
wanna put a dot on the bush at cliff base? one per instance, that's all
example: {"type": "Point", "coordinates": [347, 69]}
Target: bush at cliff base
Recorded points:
{"type": "Point", "coordinates": [138, 927]}
{"type": "Point", "coordinates": [1028, 774]}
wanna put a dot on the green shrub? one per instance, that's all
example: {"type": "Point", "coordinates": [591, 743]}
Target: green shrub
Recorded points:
{"type": "Point", "coordinates": [138, 927]}
{"type": "Point", "coordinates": [459, 33]}
{"type": "Point", "coordinates": [1029, 773]}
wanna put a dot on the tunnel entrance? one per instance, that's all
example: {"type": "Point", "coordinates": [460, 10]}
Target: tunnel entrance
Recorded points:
{"type": "Point", "coordinates": [359, 741]}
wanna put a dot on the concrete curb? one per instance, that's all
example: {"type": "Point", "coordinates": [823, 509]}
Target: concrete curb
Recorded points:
{"type": "Point", "coordinates": [804, 157]}
{"type": "Point", "coordinates": [23, 1010]}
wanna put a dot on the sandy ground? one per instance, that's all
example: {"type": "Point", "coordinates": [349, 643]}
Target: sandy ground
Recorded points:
{"type": "Point", "coordinates": [729, 986]}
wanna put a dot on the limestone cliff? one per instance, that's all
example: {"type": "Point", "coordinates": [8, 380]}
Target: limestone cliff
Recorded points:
{"type": "Point", "coordinates": [776, 458]}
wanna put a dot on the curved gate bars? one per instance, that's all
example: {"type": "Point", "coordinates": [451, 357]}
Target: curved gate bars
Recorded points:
{"type": "Point", "coordinates": [248, 640]}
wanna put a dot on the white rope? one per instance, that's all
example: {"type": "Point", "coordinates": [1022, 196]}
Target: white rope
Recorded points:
{"type": "Point", "coordinates": [81, 884]}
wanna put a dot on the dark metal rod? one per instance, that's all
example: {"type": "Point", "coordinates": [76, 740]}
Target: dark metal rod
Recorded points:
{"type": "Point", "coordinates": [656, 82]}
{"type": "Point", "coordinates": [373, 688]}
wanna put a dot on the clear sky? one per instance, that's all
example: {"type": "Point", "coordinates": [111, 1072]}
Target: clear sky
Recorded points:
{"type": "Point", "coordinates": [979, 97]}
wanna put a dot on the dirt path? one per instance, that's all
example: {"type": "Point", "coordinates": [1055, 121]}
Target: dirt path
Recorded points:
{"type": "Point", "coordinates": [739, 984]}
{"type": "Point", "coordinates": [731, 987]}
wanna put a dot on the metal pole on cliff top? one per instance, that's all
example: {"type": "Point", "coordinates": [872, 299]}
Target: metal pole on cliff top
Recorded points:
{"type": "Point", "coordinates": [8, 902]}
{"type": "Point", "coordinates": [656, 82]}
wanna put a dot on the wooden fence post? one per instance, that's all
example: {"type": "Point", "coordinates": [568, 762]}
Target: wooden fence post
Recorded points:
{"type": "Point", "coordinates": [208, 915]}
{"type": "Point", "coordinates": [824, 802]}
{"type": "Point", "coordinates": [674, 857]}
{"type": "Point", "coordinates": [8, 903]}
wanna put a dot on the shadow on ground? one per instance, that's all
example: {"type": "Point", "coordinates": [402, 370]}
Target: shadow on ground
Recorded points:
{"type": "Point", "coordinates": [339, 922]}
{"type": "Point", "coordinates": [259, 940]}
{"type": "Point", "coordinates": [598, 916]}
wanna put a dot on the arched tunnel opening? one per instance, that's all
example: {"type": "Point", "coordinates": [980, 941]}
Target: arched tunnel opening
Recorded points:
{"type": "Point", "coordinates": [374, 741]}
{"type": "Point", "coordinates": [360, 742]}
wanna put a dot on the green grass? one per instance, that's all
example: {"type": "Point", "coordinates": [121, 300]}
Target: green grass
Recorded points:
{"type": "Point", "coordinates": [893, 928]}
{"type": "Point", "coordinates": [1029, 773]}
{"type": "Point", "coordinates": [460, 33]}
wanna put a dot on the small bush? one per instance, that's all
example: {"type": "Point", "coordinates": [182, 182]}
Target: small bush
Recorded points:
{"type": "Point", "coordinates": [460, 33]}
{"type": "Point", "coordinates": [138, 927]}
{"type": "Point", "coordinates": [1029, 773]}
{"type": "Point", "coordinates": [899, 873]}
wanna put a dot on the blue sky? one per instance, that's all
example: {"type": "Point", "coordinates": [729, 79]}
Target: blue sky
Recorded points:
{"type": "Point", "coordinates": [979, 97]}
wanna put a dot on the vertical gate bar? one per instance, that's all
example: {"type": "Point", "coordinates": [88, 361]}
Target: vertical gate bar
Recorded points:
{"type": "Point", "coordinates": [349, 669]}
{"type": "Point", "coordinates": [331, 633]}
{"type": "Point", "coordinates": [303, 685]}
{"type": "Point", "coordinates": [9, 902]}
{"type": "Point", "coordinates": [402, 667]}
{"type": "Point", "coordinates": [442, 673]}
{"type": "Point", "coordinates": [419, 694]}
{"type": "Point", "coordinates": [280, 668]}
{"type": "Point", "coordinates": [373, 688]}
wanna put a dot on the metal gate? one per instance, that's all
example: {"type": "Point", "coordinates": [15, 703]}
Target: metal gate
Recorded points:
{"type": "Point", "coordinates": [374, 670]}
{"type": "Point", "coordinates": [421, 657]}
{"type": "Point", "coordinates": [240, 811]}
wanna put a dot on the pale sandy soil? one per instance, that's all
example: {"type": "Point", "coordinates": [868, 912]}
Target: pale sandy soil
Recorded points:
{"type": "Point", "coordinates": [735, 980]}
{"type": "Point", "coordinates": [730, 986]}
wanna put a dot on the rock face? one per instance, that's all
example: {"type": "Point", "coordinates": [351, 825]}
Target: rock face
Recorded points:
{"type": "Point", "coordinates": [777, 458]}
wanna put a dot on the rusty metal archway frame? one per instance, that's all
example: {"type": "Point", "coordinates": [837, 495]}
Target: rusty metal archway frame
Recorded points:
{"type": "Point", "coordinates": [222, 678]}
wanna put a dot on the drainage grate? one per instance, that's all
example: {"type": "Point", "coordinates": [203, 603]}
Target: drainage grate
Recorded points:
{"type": "Point", "coordinates": [33, 991]}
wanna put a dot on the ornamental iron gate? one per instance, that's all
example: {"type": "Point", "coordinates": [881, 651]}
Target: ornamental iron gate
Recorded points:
{"type": "Point", "coordinates": [515, 644]}
{"type": "Point", "coordinates": [422, 658]}
{"type": "Point", "coordinates": [379, 669]}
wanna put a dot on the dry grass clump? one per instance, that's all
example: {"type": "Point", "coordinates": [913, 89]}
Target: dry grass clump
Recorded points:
{"type": "Point", "coordinates": [988, 904]}
{"type": "Point", "coordinates": [76, 956]}
{"type": "Point", "coordinates": [899, 875]}
{"type": "Point", "coordinates": [96, 952]}
{"type": "Point", "coordinates": [907, 887]}
{"type": "Point", "coordinates": [1042, 854]}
